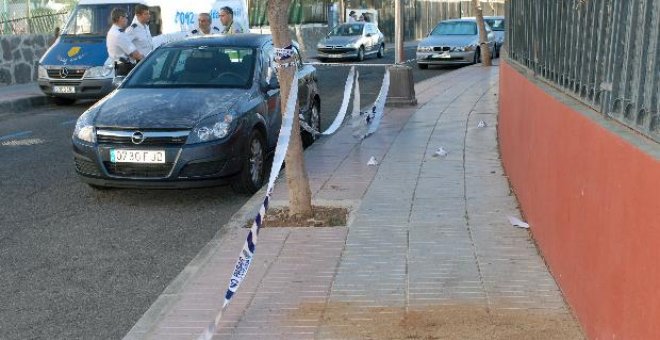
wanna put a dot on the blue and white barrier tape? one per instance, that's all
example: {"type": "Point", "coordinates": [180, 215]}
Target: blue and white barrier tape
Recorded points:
{"type": "Point", "coordinates": [249, 247]}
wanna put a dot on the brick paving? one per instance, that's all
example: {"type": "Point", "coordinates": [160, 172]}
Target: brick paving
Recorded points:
{"type": "Point", "coordinates": [427, 241]}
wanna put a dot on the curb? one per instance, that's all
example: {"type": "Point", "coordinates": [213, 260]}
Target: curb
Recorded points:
{"type": "Point", "coordinates": [13, 106]}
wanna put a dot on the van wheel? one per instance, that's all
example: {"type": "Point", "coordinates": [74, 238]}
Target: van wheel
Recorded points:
{"type": "Point", "coordinates": [314, 122]}
{"type": "Point", "coordinates": [251, 177]}
{"type": "Point", "coordinates": [63, 101]}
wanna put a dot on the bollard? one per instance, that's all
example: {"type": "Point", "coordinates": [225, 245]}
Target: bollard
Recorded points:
{"type": "Point", "coordinates": [402, 86]}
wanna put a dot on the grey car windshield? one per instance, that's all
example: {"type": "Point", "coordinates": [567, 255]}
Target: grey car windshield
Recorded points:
{"type": "Point", "coordinates": [455, 28]}
{"type": "Point", "coordinates": [495, 24]}
{"type": "Point", "coordinates": [347, 30]}
{"type": "Point", "coordinates": [228, 67]}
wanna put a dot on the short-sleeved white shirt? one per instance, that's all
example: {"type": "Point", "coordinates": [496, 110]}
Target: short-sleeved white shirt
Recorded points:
{"type": "Point", "coordinates": [233, 28]}
{"type": "Point", "coordinates": [199, 32]}
{"type": "Point", "coordinates": [140, 37]}
{"type": "Point", "coordinates": [118, 43]}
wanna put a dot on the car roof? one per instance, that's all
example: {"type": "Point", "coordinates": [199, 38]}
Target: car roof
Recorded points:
{"type": "Point", "coordinates": [246, 39]}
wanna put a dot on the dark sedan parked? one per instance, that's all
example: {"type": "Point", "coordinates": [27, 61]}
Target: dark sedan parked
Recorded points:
{"type": "Point", "coordinates": [197, 112]}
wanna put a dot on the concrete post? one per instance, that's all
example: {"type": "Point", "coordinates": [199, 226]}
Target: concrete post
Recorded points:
{"type": "Point", "coordinates": [402, 89]}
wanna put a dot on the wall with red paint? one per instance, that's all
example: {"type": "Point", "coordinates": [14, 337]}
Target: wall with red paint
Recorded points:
{"type": "Point", "coordinates": [590, 189]}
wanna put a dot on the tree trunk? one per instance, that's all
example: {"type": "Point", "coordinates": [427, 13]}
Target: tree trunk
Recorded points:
{"type": "Point", "coordinates": [483, 37]}
{"type": "Point", "coordinates": [300, 195]}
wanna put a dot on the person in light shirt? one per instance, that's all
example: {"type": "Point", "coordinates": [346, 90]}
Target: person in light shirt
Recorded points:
{"type": "Point", "coordinates": [204, 26]}
{"type": "Point", "coordinates": [119, 43]}
{"type": "Point", "coordinates": [227, 20]}
{"type": "Point", "coordinates": [139, 30]}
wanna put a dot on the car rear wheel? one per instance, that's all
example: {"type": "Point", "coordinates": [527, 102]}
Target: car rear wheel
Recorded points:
{"type": "Point", "coordinates": [315, 123]}
{"type": "Point", "coordinates": [63, 101]}
{"type": "Point", "coordinates": [381, 51]}
{"type": "Point", "coordinates": [477, 56]}
{"type": "Point", "coordinates": [360, 55]}
{"type": "Point", "coordinates": [252, 174]}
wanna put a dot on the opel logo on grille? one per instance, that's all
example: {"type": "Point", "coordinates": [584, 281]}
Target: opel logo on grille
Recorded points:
{"type": "Point", "coordinates": [137, 137]}
{"type": "Point", "coordinates": [64, 72]}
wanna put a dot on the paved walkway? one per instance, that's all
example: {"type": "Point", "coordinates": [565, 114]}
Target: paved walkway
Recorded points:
{"type": "Point", "coordinates": [428, 252]}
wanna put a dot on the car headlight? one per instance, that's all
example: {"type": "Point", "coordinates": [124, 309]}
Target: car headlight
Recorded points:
{"type": "Point", "coordinates": [43, 73]}
{"type": "Point", "coordinates": [470, 47]}
{"type": "Point", "coordinates": [459, 49]}
{"type": "Point", "coordinates": [105, 71]}
{"type": "Point", "coordinates": [320, 45]}
{"type": "Point", "coordinates": [84, 130]}
{"type": "Point", "coordinates": [424, 48]}
{"type": "Point", "coordinates": [210, 129]}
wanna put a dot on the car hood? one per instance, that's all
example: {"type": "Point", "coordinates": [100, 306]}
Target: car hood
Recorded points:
{"type": "Point", "coordinates": [340, 40]}
{"type": "Point", "coordinates": [164, 108]}
{"type": "Point", "coordinates": [449, 40]}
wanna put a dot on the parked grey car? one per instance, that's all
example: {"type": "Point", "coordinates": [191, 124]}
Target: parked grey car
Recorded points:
{"type": "Point", "coordinates": [197, 112]}
{"type": "Point", "coordinates": [497, 24]}
{"type": "Point", "coordinates": [354, 40]}
{"type": "Point", "coordinates": [454, 41]}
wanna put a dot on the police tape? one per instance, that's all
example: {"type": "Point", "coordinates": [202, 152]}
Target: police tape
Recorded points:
{"type": "Point", "coordinates": [249, 247]}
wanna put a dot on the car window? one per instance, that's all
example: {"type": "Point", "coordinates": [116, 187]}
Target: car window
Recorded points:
{"type": "Point", "coordinates": [495, 24]}
{"type": "Point", "coordinates": [371, 29]}
{"type": "Point", "coordinates": [455, 28]}
{"type": "Point", "coordinates": [195, 67]}
{"type": "Point", "coordinates": [347, 30]}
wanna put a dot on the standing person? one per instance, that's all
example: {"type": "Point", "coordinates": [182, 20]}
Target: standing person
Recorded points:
{"type": "Point", "coordinates": [139, 32]}
{"type": "Point", "coordinates": [352, 17]}
{"type": "Point", "coordinates": [121, 50]}
{"type": "Point", "coordinates": [227, 20]}
{"type": "Point", "coordinates": [204, 26]}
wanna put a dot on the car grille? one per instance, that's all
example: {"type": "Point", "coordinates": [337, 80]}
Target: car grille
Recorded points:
{"type": "Point", "coordinates": [201, 169]}
{"type": "Point", "coordinates": [337, 50]}
{"type": "Point", "coordinates": [138, 170]}
{"type": "Point", "coordinates": [70, 73]}
{"type": "Point", "coordinates": [165, 138]}
{"type": "Point", "coordinates": [441, 48]}
{"type": "Point", "coordinates": [86, 167]}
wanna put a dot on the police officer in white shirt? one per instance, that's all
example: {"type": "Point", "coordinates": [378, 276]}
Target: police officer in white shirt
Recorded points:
{"type": "Point", "coordinates": [121, 50]}
{"type": "Point", "coordinates": [139, 30]}
{"type": "Point", "coordinates": [227, 20]}
{"type": "Point", "coordinates": [204, 25]}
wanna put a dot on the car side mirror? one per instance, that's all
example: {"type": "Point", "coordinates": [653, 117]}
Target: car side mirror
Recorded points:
{"type": "Point", "coordinates": [271, 84]}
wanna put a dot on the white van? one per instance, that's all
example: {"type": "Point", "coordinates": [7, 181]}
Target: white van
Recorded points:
{"type": "Point", "coordinates": [77, 66]}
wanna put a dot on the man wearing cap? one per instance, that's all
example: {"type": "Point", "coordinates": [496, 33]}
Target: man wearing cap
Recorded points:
{"type": "Point", "coordinates": [227, 20]}
{"type": "Point", "coordinates": [139, 32]}
{"type": "Point", "coordinates": [204, 25]}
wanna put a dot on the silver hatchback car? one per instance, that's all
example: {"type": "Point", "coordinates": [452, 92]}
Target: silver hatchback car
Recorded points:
{"type": "Point", "coordinates": [454, 41]}
{"type": "Point", "coordinates": [354, 40]}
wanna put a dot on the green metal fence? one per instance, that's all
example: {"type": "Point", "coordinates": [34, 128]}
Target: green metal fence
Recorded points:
{"type": "Point", "coordinates": [40, 21]}
{"type": "Point", "coordinates": [605, 53]}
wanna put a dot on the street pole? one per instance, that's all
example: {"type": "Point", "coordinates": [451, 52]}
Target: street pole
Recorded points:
{"type": "Point", "coordinates": [6, 16]}
{"type": "Point", "coordinates": [29, 29]}
{"type": "Point", "coordinates": [398, 32]}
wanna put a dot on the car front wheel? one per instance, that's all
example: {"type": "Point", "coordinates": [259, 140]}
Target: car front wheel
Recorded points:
{"type": "Point", "coordinates": [252, 174]}
{"type": "Point", "coordinates": [381, 51]}
{"type": "Point", "coordinates": [315, 123]}
{"type": "Point", "coordinates": [360, 54]}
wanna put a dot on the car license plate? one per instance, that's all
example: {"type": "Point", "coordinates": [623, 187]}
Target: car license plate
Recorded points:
{"type": "Point", "coordinates": [64, 89]}
{"type": "Point", "coordinates": [445, 55]}
{"type": "Point", "coordinates": [334, 55]}
{"type": "Point", "coordinates": [137, 156]}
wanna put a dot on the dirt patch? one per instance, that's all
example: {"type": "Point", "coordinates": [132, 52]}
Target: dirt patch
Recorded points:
{"type": "Point", "coordinates": [322, 217]}
{"type": "Point", "coordinates": [348, 321]}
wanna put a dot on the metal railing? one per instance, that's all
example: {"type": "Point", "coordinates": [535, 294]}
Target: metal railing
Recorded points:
{"type": "Point", "coordinates": [606, 53]}
{"type": "Point", "coordinates": [39, 22]}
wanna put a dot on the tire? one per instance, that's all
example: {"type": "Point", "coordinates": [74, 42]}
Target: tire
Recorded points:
{"type": "Point", "coordinates": [381, 51]}
{"type": "Point", "coordinates": [252, 175]}
{"type": "Point", "coordinates": [360, 55]}
{"type": "Point", "coordinates": [323, 60]}
{"type": "Point", "coordinates": [98, 187]}
{"type": "Point", "coordinates": [422, 66]}
{"type": "Point", "coordinates": [63, 101]}
{"type": "Point", "coordinates": [315, 122]}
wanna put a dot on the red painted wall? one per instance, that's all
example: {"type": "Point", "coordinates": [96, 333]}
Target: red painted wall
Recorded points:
{"type": "Point", "coordinates": [593, 202]}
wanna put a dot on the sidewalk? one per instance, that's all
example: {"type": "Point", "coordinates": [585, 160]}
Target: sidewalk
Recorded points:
{"type": "Point", "coordinates": [21, 97]}
{"type": "Point", "coordinates": [428, 252]}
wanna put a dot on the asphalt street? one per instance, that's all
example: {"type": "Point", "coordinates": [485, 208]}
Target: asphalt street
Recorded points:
{"type": "Point", "coordinates": [81, 263]}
